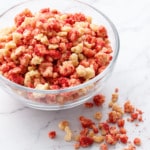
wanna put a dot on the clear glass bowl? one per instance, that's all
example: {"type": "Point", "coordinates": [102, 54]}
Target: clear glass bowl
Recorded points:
{"type": "Point", "coordinates": [75, 95]}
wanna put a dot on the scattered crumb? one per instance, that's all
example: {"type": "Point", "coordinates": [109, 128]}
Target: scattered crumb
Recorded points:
{"type": "Point", "coordinates": [128, 107]}
{"type": "Point", "coordinates": [88, 104]}
{"type": "Point", "coordinates": [62, 125]}
{"type": "Point", "coordinates": [52, 134]}
{"type": "Point", "coordinates": [99, 99]}
{"type": "Point", "coordinates": [137, 141]}
{"type": "Point", "coordinates": [107, 132]}
{"type": "Point", "coordinates": [98, 115]}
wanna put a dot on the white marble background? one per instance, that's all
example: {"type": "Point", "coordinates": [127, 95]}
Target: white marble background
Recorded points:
{"type": "Point", "coordinates": [23, 128]}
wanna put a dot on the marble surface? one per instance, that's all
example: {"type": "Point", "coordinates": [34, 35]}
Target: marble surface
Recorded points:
{"type": "Point", "coordinates": [23, 128]}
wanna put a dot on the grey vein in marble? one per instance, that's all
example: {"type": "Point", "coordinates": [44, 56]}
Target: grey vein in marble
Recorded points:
{"type": "Point", "coordinates": [14, 111]}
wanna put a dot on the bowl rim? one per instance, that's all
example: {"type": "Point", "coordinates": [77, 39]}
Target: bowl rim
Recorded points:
{"type": "Point", "coordinates": [80, 86]}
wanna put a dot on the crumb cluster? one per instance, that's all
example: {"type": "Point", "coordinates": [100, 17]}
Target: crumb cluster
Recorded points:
{"type": "Point", "coordinates": [106, 132]}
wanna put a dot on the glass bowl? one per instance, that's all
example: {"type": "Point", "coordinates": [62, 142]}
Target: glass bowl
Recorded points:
{"type": "Point", "coordinates": [70, 96]}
